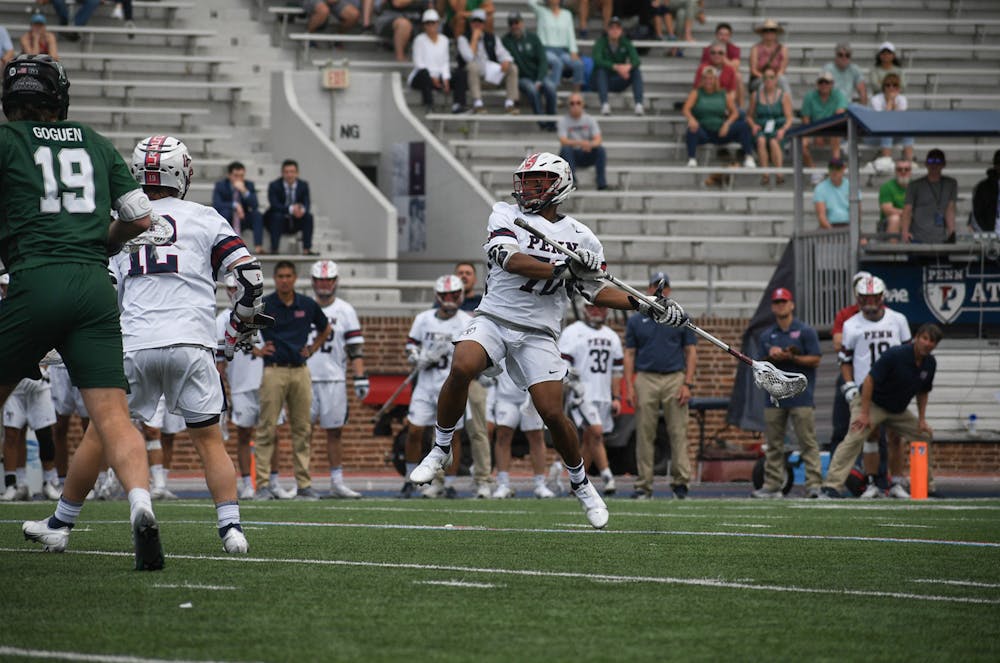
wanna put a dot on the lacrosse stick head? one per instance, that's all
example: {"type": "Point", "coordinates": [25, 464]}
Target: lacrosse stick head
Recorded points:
{"type": "Point", "coordinates": [777, 383]}
{"type": "Point", "coordinates": [160, 232]}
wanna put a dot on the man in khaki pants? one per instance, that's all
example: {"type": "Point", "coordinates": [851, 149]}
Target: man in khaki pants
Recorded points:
{"type": "Point", "coordinates": [659, 373]}
{"type": "Point", "coordinates": [486, 59]}
{"type": "Point", "coordinates": [475, 424]}
{"type": "Point", "coordinates": [286, 378]}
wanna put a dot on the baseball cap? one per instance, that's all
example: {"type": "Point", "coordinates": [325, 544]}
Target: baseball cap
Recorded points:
{"type": "Point", "coordinates": [836, 163]}
{"type": "Point", "coordinates": [781, 294]}
{"type": "Point", "coordinates": [430, 16]}
{"type": "Point", "coordinates": [824, 75]}
{"type": "Point", "coordinates": [38, 18]}
{"type": "Point", "coordinates": [513, 17]}
{"type": "Point", "coordinates": [615, 19]}
{"type": "Point", "coordinates": [887, 46]}
{"type": "Point", "coordinates": [656, 277]}
{"type": "Point", "coordinates": [478, 15]}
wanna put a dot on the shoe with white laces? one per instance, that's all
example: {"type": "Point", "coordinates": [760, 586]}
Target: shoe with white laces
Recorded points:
{"type": "Point", "coordinates": [234, 541]}
{"type": "Point", "coordinates": [162, 493]}
{"type": "Point", "coordinates": [898, 492]}
{"type": "Point", "coordinates": [432, 490]}
{"type": "Point", "coordinates": [52, 539]}
{"type": "Point", "coordinates": [871, 492]}
{"type": "Point", "coordinates": [340, 490]}
{"type": "Point", "coordinates": [483, 491]}
{"type": "Point", "coordinates": [503, 492]}
{"type": "Point", "coordinates": [609, 486]}
{"type": "Point", "coordinates": [542, 492]}
{"type": "Point", "coordinates": [692, 163]}
{"type": "Point", "coordinates": [749, 162]}
{"type": "Point", "coordinates": [51, 491]}
{"type": "Point", "coordinates": [146, 539]}
{"type": "Point", "coordinates": [597, 510]}
{"type": "Point", "coordinates": [605, 108]}
{"type": "Point", "coordinates": [246, 492]}
{"type": "Point", "coordinates": [437, 459]}
{"type": "Point", "coordinates": [15, 494]}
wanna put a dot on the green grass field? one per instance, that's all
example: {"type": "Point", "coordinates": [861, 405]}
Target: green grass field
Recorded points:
{"type": "Point", "coordinates": [518, 580]}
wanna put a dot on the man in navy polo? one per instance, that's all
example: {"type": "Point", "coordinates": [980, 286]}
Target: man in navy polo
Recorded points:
{"type": "Point", "coordinates": [286, 378]}
{"type": "Point", "coordinates": [793, 346]}
{"type": "Point", "coordinates": [901, 373]}
{"type": "Point", "coordinates": [661, 361]}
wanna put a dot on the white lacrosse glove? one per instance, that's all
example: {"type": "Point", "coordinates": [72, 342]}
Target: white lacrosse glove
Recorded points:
{"type": "Point", "coordinates": [849, 390]}
{"type": "Point", "coordinates": [573, 389]}
{"type": "Point", "coordinates": [249, 289]}
{"type": "Point", "coordinates": [236, 334]}
{"type": "Point", "coordinates": [160, 232]}
{"type": "Point", "coordinates": [361, 386]}
{"type": "Point", "coordinates": [661, 309]}
{"type": "Point", "coordinates": [587, 268]}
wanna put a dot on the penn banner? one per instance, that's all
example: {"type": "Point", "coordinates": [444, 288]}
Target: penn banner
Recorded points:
{"type": "Point", "coordinates": [409, 195]}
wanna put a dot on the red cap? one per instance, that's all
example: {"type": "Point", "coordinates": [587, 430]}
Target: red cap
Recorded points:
{"type": "Point", "coordinates": [781, 293]}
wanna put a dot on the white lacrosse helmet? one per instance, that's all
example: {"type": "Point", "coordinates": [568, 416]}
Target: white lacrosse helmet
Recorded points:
{"type": "Point", "coordinates": [449, 284]}
{"type": "Point", "coordinates": [595, 315]}
{"type": "Point", "coordinates": [870, 287]}
{"type": "Point", "coordinates": [559, 186]}
{"type": "Point", "coordinates": [857, 277]}
{"type": "Point", "coordinates": [324, 274]}
{"type": "Point", "coordinates": [162, 161]}
{"type": "Point", "coordinates": [4, 279]}
{"type": "Point", "coordinates": [229, 280]}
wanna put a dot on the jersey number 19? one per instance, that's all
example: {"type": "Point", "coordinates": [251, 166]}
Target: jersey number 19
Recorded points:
{"type": "Point", "coordinates": [76, 172]}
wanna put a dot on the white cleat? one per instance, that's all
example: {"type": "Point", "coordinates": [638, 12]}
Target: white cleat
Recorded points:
{"type": "Point", "coordinates": [16, 494]}
{"type": "Point", "coordinates": [432, 463]}
{"type": "Point", "coordinates": [542, 492]}
{"type": "Point", "coordinates": [234, 542]}
{"type": "Point", "coordinates": [341, 491]}
{"type": "Point", "coordinates": [597, 510]}
{"type": "Point", "coordinates": [609, 486]}
{"type": "Point", "coordinates": [247, 492]}
{"type": "Point", "coordinates": [503, 491]}
{"type": "Point", "coordinates": [898, 492]}
{"type": "Point", "coordinates": [51, 491]}
{"type": "Point", "coordinates": [554, 478]}
{"type": "Point", "coordinates": [871, 492]}
{"type": "Point", "coordinates": [432, 490]}
{"type": "Point", "coordinates": [162, 493]}
{"type": "Point", "coordinates": [282, 493]}
{"type": "Point", "coordinates": [483, 491]}
{"type": "Point", "coordinates": [52, 540]}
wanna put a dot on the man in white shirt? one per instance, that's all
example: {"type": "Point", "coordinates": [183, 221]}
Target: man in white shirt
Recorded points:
{"type": "Point", "coordinates": [485, 57]}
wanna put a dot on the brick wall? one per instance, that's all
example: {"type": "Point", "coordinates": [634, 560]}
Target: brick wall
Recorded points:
{"type": "Point", "coordinates": [385, 337]}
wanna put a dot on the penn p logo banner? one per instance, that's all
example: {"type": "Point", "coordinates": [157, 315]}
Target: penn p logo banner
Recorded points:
{"type": "Point", "coordinates": [944, 292]}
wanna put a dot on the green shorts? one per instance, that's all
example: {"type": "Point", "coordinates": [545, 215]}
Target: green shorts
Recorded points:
{"type": "Point", "coordinates": [72, 308]}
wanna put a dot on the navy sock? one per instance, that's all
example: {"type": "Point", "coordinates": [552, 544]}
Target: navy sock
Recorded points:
{"type": "Point", "coordinates": [55, 523]}
{"type": "Point", "coordinates": [223, 530]}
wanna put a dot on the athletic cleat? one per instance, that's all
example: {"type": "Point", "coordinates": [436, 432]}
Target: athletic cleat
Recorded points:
{"type": "Point", "coordinates": [437, 459]}
{"type": "Point", "coordinates": [815, 493]}
{"type": "Point", "coordinates": [765, 494]}
{"type": "Point", "coordinates": [51, 491]}
{"type": "Point", "coordinates": [503, 492]}
{"type": "Point", "coordinates": [406, 492]}
{"type": "Point", "coordinates": [609, 486]}
{"type": "Point", "coordinates": [871, 492]}
{"type": "Point", "coordinates": [542, 492]}
{"type": "Point", "coordinates": [235, 542]}
{"type": "Point", "coordinates": [450, 492]}
{"type": "Point", "coordinates": [16, 494]}
{"type": "Point", "coordinates": [898, 492]}
{"type": "Point", "coordinates": [307, 494]}
{"type": "Point", "coordinates": [282, 493]}
{"type": "Point", "coordinates": [263, 494]}
{"type": "Point", "coordinates": [146, 538]}
{"type": "Point", "coordinates": [162, 493]}
{"type": "Point", "coordinates": [554, 479]}
{"type": "Point", "coordinates": [597, 510]}
{"type": "Point", "coordinates": [341, 491]}
{"type": "Point", "coordinates": [680, 492]}
{"type": "Point", "coordinates": [52, 540]}
{"type": "Point", "coordinates": [247, 492]}
{"type": "Point", "coordinates": [483, 491]}
{"type": "Point", "coordinates": [827, 493]}
{"type": "Point", "coordinates": [432, 490]}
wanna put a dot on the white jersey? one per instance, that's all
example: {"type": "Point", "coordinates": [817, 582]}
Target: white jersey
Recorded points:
{"type": "Point", "coordinates": [864, 340]}
{"type": "Point", "coordinates": [167, 293]}
{"type": "Point", "coordinates": [526, 303]}
{"type": "Point", "coordinates": [596, 355]}
{"type": "Point", "coordinates": [429, 328]}
{"type": "Point", "coordinates": [244, 372]}
{"type": "Point", "coordinates": [329, 364]}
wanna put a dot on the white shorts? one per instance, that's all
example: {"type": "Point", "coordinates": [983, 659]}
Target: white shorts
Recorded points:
{"type": "Point", "coordinates": [184, 374]}
{"type": "Point", "coordinates": [168, 422]}
{"type": "Point", "coordinates": [30, 404]}
{"type": "Point", "coordinates": [65, 396]}
{"type": "Point", "coordinates": [594, 412]}
{"type": "Point", "coordinates": [423, 410]}
{"type": "Point", "coordinates": [245, 408]}
{"type": "Point", "coordinates": [532, 357]}
{"type": "Point", "coordinates": [512, 414]}
{"type": "Point", "coordinates": [329, 404]}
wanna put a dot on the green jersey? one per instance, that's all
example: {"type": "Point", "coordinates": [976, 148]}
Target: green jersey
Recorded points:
{"type": "Point", "coordinates": [57, 183]}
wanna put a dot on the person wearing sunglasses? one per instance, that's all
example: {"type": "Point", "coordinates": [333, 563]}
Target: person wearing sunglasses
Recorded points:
{"type": "Point", "coordinates": [847, 76]}
{"type": "Point", "coordinates": [886, 62]}
{"type": "Point", "coordinates": [891, 200]}
{"type": "Point", "coordinates": [820, 103]}
{"type": "Point", "coordinates": [580, 140]}
{"type": "Point", "coordinates": [769, 52]}
{"type": "Point", "coordinates": [729, 78]}
{"type": "Point", "coordinates": [929, 208]}
{"type": "Point", "coordinates": [890, 99]}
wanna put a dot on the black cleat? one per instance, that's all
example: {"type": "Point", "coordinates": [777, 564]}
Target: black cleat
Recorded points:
{"type": "Point", "coordinates": [146, 538]}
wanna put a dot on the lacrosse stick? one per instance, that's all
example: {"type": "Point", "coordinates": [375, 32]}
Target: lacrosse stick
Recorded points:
{"type": "Point", "coordinates": [777, 383]}
{"type": "Point", "coordinates": [160, 232]}
{"type": "Point", "coordinates": [392, 398]}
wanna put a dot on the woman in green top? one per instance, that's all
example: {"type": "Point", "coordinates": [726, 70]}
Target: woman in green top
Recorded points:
{"type": "Point", "coordinates": [770, 116]}
{"type": "Point", "coordinates": [712, 117]}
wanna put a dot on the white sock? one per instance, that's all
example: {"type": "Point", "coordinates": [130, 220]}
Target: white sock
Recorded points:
{"type": "Point", "coordinates": [503, 478]}
{"type": "Point", "coordinates": [22, 475]}
{"type": "Point", "coordinates": [51, 477]}
{"type": "Point", "coordinates": [606, 474]}
{"type": "Point", "coordinates": [228, 513]}
{"type": "Point", "coordinates": [410, 467]}
{"type": "Point", "coordinates": [337, 475]}
{"type": "Point", "coordinates": [577, 475]}
{"type": "Point", "coordinates": [67, 511]}
{"type": "Point", "coordinates": [274, 479]}
{"type": "Point", "coordinates": [539, 480]}
{"type": "Point", "coordinates": [159, 476]}
{"type": "Point", "coordinates": [443, 435]}
{"type": "Point", "coordinates": [138, 499]}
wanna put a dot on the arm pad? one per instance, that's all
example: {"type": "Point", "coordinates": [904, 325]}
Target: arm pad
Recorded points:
{"type": "Point", "coordinates": [501, 253]}
{"type": "Point", "coordinates": [355, 350]}
{"type": "Point", "coordinates": [249, 289]}
{"type": "Point", "coordinates": [133, 206]}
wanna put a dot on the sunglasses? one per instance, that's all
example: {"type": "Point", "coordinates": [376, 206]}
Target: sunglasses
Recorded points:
{"type": "Point", "coordinates": [779, 301]}
{"type": "Point", "coordinates": [935, 162]}
{"type": "Point", "coordinates": [716, 52]}
{"type": "Point", "coordinates": [769, 30]}
{"type": "Point", "coordinates": [576, 103]}
{"type": "Point", "coordinates": [903, 170]}
{"type": "Point", "coordinates": [824, 82]}
{"type": "Point", "coordinates": [890, 84]}
{"type": "Point", "coordinates": [843, 55]}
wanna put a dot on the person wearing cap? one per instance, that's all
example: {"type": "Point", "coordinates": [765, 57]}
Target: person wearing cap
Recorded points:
{"type": "Point", "coordinates": [769, 52]}
{"type": "Point", "coordinates": [886, 62]}
{"type": "Point", "coordinates": [929, 207]}
{"type": "Point", "coordinates": [793, 346]}
{"type": "Point", "coordinates": [616, 66]}
{"type": "Point", "coordinates": [847, 76]}
{"type": "Point", "coordinates": [831, 197]}
{"type": "Point", "coordinates": [432, 65]}
{"type": "Point", "coordinates": [892, 199]}
{"type": "Point", "coordinates": [532, 67]}
{"type": "Point", "coordinates": [660, 364]}
{"type": "Point", "coordinates": [38, 40]}
{"type": "Point", "coordinates": [985, 216]}
{"type": "Point", "coordinates": [555, 29]}
{"type": "Point", "coordinates": [713, 117]}
{"type": "Point", "coordinates": [729, 78]}
{"type": "Point", "coordinates": [396, 19]}
{"type": "Point", "coordinates": [484, 57]}
{"type": "Point", "coordinates": [820, 103]}
{"type": "Point", "coordinates": [458, 12]}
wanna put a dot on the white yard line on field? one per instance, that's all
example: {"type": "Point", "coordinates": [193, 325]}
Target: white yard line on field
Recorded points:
{"type": "Point", "coordinates": [959, 583]}
{"type": "Point", "coordinates": [907, 525]}
{"type": "Point", "coordinates": [458, 583]}
{"type": "Point", "coordinates": [80, 656]}
{"type": "Point", "coordinates": [213, 588]}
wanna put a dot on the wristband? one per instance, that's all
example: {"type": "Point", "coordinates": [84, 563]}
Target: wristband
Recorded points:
{"type": "Point", "coordinates": [689, 385]}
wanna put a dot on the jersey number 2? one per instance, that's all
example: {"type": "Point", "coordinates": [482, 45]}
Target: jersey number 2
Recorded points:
{"type": "Point", "coordinates": [147, 261]}
{"type": "Point", "coordinates": [76, 172]}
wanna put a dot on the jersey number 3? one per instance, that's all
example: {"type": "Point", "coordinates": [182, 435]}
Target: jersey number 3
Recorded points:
{"type": "Point", "coordinates": [76, 172]}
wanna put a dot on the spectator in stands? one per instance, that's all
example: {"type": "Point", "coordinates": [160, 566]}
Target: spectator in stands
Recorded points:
{"type": "Point", "coordinates": [831, 197]}
{"type": "Point", "coordinates": [986, 200]}
{"type": "Point", "coordinates": [686, 12]}
{"type": "Point", "coordinates": [395, 19]}
{"type": "Point", "coordinates": [288, 211]}
{"type": "Point", "coordinates": [890, 99]}
{"type": "Point", "coordinates": [847, 76]}
{"type": "Point", "coordinates": [886, 63]}
{"type": "Point", "coordinates": [892, 199]}
{"type": "Point", "coordinates": [663, 21]}
{"type": "Point", "coordinates": [712, 117]}
{"type": "Point", "coordinates": [641, 9]}
{"type": "Point", "coordinates": [723, 35]}
{"type": "Point", "coordinates": [902, 372]}
{"type": "Point", "coordinates": [532, 66]}
{"type": "Point", "coordinates": [458, 12]}
{"type": "Point", "coordinates": [769, 117]}
{"type": "Point", "coordinates": [660, 364]}
{"type": "Point", "coordinates": [235, 198]}
{"type": "Point", "coordinates": [38, 40]}
{"type": "Point", "coordinates": [582, 10]}
{"type": "Point", "coordinates": [347, 13]}
{"type": "Point", "coordinates": [820, 103]}
{"type": "Point", "coordinates": [123, 12]}
{"type": "Point", "coordinates": [616, 66]}
{"type": "Point", "coordinates": [791, 345]}
{"type": "Point", "coordinates": [432, 65]}
{"type": "Point", "coordinates": [6, 47]}
{"type": "Point", "coordinates": [555, 29]}
{"type": "Point", "coordinates": [769, 52]}
{"type": "Point", "coordinates": [929, 208]}
{"type": "Point", "coordinates": [484, 58]}
{"type": "Point", "coordinates": [580, 140]}
{"type": "Point", "coordinates": [729, 78]}
{"type": "Point", "coordinates": [83, 13]}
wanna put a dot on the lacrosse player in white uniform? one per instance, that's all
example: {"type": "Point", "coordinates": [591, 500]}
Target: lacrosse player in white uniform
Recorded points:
{"type": "Point", "coordinates": [509, 407]}
{"type": "Point", "coordinates": [328, 370]}
{"type": "Point", "coordinates": [594, 354]}
{"type": "Point", "coordinates": [159, 433]}
{"type": "Point", "coordinates": [167, 296]}
{"type": "Point", "coordinates": [68, 401]}
{"type": "Point", "coordinates": [429, 348]}
{"type": "Point", "coordinates": [520, 315]}
{"type": "Point", "coordinates": [867, 334]}
{"type": "Point", "coordinates": [30, 404]}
